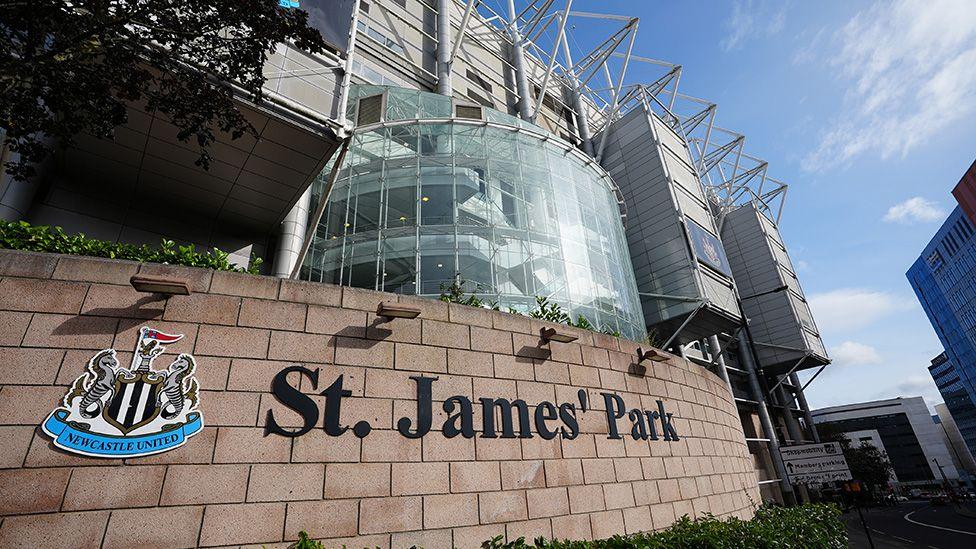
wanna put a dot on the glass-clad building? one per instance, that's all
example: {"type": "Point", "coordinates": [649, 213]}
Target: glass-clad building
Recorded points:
{"type": "Point", "coordinates": [944, 279]}
{"type": "Point", "coordinates": [433, 191]}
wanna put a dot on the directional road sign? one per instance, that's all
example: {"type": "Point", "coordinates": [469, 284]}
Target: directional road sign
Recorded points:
{"type": "Point", "coordinates": [815, 463]}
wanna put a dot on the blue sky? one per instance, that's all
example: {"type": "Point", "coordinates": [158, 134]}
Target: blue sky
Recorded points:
{"type": "Point", "coordinates": [868, 111]}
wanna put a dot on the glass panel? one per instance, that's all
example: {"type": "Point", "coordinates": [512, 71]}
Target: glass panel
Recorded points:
{"type": "Point", "coordinates": [435, 139]}
{"type": "Point", "coordinates": [434, 105]}
{"type": "Point", "coordinates": [437, 268]}
{"type": "Point", "coordinates": [399, 274]}
{"type": "Point", "coordinates": [436, 194]}
{"type": "Point", "coordinates": [402, 104]}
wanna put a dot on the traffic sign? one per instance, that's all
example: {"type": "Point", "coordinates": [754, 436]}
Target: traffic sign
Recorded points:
{"type": "Point", "coordinates": [815, 463]}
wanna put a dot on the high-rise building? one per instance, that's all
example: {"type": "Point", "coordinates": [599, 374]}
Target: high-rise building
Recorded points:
{"type": "Point", "coordinates": [965, 192]}
{"type": "Point", "coordinates": [944, 279]}
{"type": "Point", "coordinates": [962, 458]}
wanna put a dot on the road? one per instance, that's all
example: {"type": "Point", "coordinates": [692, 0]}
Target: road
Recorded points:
{"type": "Point", "coordinates": [913, 524]}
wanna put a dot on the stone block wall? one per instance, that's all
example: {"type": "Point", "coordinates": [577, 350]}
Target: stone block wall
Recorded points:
{"type": "Point", "coordinates": [231, 485]}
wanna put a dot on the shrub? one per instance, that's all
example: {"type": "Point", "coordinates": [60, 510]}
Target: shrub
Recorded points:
{"type": "Point", "coordinates": [811, 525]}
{"type": "Point", "coordinates": [24, 236]}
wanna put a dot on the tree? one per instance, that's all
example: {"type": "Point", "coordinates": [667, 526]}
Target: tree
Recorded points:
{"type": "Point", "coordinates": [72, 66]}
{"type": "Point", "coordinates": [867, 463]}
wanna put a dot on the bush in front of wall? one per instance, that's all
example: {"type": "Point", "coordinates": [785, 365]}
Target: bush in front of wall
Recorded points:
{"type": "Point", "coordinates": [23, 236]}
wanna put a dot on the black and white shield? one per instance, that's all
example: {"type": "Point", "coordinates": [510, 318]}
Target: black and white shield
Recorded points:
{"type": "Point", "coordinates": [134, 402]}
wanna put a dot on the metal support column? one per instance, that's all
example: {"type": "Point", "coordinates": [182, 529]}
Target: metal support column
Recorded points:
{"type": "Point", "coordinates": [716, 350]}
{"type": "Point", "coordinates": [792, 425]}
{"type": "Point", "coordinates": [444, 48]}
{"type": "Point", "coordinates": [292, 236]}
{"type": "Point", "coordinates": [767, 423]}
{"type": "Point", "coordinates": [582, 122]}
{"type": "Point", "coordinates": [518, 61]}
{"type": "Point", "coordinates": [802, 401]}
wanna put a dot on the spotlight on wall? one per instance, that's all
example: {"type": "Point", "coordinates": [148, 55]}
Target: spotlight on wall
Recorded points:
{"type": "Point", "coordinates": [394, 310]}
{"type": "Point", "coordinates": [550, 334]}
{"type": "Point", "coordinates": [650, 354]}
{"type": "Point", "coordinates": [160, 285]}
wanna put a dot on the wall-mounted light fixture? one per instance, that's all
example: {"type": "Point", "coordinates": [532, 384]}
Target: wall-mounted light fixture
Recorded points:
{"type": "Point", "coordinates": [550, 334]}
{"type": "Point", "coordinates": [394, 310]}
{"type": "Point", "coordinates": [651, 354]}
{"type": "Point", "coordinates": [160, 285]}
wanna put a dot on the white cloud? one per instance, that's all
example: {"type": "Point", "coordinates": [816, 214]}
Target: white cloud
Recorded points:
{"type": "Point", "coordinates": [909, 68]}
{"type": "Point", "coordinates": [854, 308]}
{"type": "Point", "coordinates": [852, 353]}
{"type": "Point", "coordinates": [913, 386]}
{"type": "Point", "coordinates": [752, 18]}
{"type": "Point", "coordinates": [915, 209]}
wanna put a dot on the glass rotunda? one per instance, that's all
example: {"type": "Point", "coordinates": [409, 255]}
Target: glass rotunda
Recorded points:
{"type": "Point", "coordinates": [433, 191]}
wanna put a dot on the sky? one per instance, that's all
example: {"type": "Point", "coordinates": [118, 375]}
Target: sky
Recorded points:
{"type": "Point", "coordinates": [868, 111]}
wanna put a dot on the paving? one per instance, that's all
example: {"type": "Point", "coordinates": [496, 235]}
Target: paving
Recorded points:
{"type": "Point", "coordinates": [913, 524]}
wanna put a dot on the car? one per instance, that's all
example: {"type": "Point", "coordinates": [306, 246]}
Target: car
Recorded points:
{"type": "Point", "coordinates": [900, 499]}
{"type": "Point", "coordinates": [940, 499]}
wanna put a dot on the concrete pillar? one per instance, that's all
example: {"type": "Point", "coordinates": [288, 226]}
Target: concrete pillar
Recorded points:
{"type": "Point", "coordinates": [292, 235]}
{"type": "Point", "coordinates": [802, 401]}
{"type": "Point", "coordinates": [745, 353]}
{"type": "Point", "coordinates": [444, 86]}
{"type": "Point", "coordinates": [518, 61]}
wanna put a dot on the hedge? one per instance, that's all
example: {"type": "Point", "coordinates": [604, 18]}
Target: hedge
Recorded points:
{"type": "Point", "coordinates": [24, 236]}
{"type": "Point", "coordinates": [804, 526]}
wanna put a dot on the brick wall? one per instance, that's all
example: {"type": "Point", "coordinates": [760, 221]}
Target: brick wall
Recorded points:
{"type": "Point", "coordinates": [232, 486]}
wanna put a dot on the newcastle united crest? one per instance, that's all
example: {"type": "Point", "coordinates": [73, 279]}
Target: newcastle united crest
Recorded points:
{"type": "Point", "coordinates": [116, 412]}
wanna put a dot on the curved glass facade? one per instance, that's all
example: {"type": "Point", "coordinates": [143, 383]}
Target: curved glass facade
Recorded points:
{"type": "Point", "coordinates": [424, 198]}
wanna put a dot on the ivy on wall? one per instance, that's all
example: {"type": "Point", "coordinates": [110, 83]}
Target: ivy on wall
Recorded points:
{"type": "Point", "coordinates": [21, 235]}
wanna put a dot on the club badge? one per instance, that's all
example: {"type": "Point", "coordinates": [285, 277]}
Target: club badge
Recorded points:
{"type": "Point", "coordinates": [115, 412]}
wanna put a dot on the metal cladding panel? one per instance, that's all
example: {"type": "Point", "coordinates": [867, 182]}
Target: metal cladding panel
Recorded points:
{"type": "Point", "coordinates": [663, 193]}
{"type": "Point", "coordinates": [781, 323]}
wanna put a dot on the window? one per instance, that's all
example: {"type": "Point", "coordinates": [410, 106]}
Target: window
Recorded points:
{"type": "Point", "coordinates": [478, 98]}
{"type": "Point", "coordinates": [468, 111]}
{"type": "Point", "coordinates": [369, 110]}
{"type": "Point", "coordinates": [479, 80]}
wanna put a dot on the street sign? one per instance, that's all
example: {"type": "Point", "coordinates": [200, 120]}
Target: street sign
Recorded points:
{"type": "Point", "coordinates": [815, 463]}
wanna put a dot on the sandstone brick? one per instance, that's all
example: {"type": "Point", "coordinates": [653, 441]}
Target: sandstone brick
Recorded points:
{"type": "Point", "coordinates": [618, 495]}
{"type": "Point", "coordinates": [375, 541]}
{"type": "Point", "coordinates": [471, 316]}
{"type": "Point", "coordinates": [277, 315]}
{"type": "Point", "coordinates": [511, 323]}
{"type": "Point", "coordinates": [438, 448]}
{"type": "Point", "coordinates": [668, 488]}
{"type": "Point", "coordinates": [198, 279]}
{"type": "Point", "coordinates": [431, 309]}
{"type": "Point", "coordinates": [199, 449]}
{"type": "Point", "coordinates": [364, 300]}
{"type": "Point", "coordinates": [552, 372]}
{"type": "Point", "coordinates": [198, 484]}
{"type": "Point", "coordinates": [502, 506]}
{"type": "Point", "coordinates": [606, 447]}
{"type": "Point", "coordinates": [566, 352]}
{"type": "Point", "coordinates": [443, 334]}
{"type": "Point", "coordinates": [497, 448]}
{"type": "Point", "coordinates": [605, 341]}
{"type": "Point", "coordinates": [27, 264]}
{"type": "Point", "coordinates": [414, 479]}
{"type": "Point", "coordinates": [238, 523]}
{"type": "Point", "coordinates": [102, 488]}
{"type": "Point", "coordinates": [450, 510]}
{"type": "Point", "coordinates": [54, 530]}
{"type": "Point", "coordinates": [653, 467]}
{"type": "Point", "coordinates": [584, 376]}
{"type": "Point", "coordinates": [242, 284]}
{"type": "Point", "coordinates": [42, 296]}
{"type": "Point", "coordinates": [390, 514]}
{"type": "Point", "coordinates": [475, 476]}
{"type": "Point", "coordinates": [335, 321]}
{"type": "Point", "coordinates": [563, 472]}
{"type": "Point", "coordinates": [28, 404]}
{"type": "Point", "coordinates": [514, 367]}
{"type": "Point", "coordinates": [662, 515]}
{"type": "Point", "coordinates": [420, 358]}
{"type": "Point", "coordinates": [530, 346]}
{"type": "Point", "coordinates": [637, 519]}
{"type": "Point", "coordinates": [127, 335]}
{"type": "Point", "coordinates": [32, 490]}
{"type": "Point", "coordinates": [401, 330]}
{"type": "Point", "coordinates": [494, 341]}
{"type": "Point", "coordinates": [29, 366]}
{"type": "Point", "coordinates": [70, 332]}
{"type": "Point", "coordinates": [390, 446]}
{"type": "Point", "coordinates": [95, 269]}
{"type": "Point", "coordinates": [299, 347]}
{"type": "Point", "coordinates": [317, 446]}
{"type": "Point", "coordinates": [13, 326]}
{"type": "Point", "coordinates": [628, 469]}
{"type": "Point", "coordinates": [607, 524]}
{"type": "Point", "coordinates": [645, 492]}
{"type": "Point", "coordinates": [423, 538]}
{"type": "Point", "coordinates": [364, 352]}
{"type": "Point", "coordinates": [322, 519]}
{"type": "Point", "coordinates": [250, 445]}
{"type": "Point", "coordinates": [522, 474]}
{"type": "Point", "coordinates": [115, 301]}
{"type": "Point", "coordinates": [572, 527]}
{"type": "Point", "coordinates": [203, 308]}
{"type": "Point", "coordinates": [229, 408]}
{"type": "Point", "coordinates": [285, 482]}
{"type": "Point", "coordinates": [256, 375]}
{"type": "Point", "coordinates": [547, 502]}
{"type": "Point", "coordinates": [534, 393]}
{"type": "Point", "coordinates": [232, 342]}
{"type": "Point", "coordinates": [129, 528]}
{"type": "Point", "coordinates": [469, 363]}
{"type": "Point", "coordinates": [474, 536]}
{"type": "Point", "coordinates": [583, 446]}
{"type": "Point", "coordinates": [355, 480]}
{"type": "Point", "coordinates": [597, 471]}
{"type": "Point", "coordinates": [312, 293]}
{"type": "Point", "coordinates": [585, 499]}
{"type": "Point", "coordinates": [539, 448]}
{"type": "Point", "coordinates": [530, 529]}
{"type": "Point", "coordinates": [14, 443]}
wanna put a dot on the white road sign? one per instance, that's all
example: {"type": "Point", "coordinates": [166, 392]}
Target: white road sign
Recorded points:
{"type": "Point", "coordinates": [815, 463]}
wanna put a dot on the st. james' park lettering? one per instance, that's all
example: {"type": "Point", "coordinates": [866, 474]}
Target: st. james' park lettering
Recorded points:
{"type": "Point", "coordinates": [548, 420]}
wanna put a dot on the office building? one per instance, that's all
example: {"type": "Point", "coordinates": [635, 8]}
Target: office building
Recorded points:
{"type": "Point", "coordinates": [962, 458]}
{"type": "Point", "coordinates": [908, 436]}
